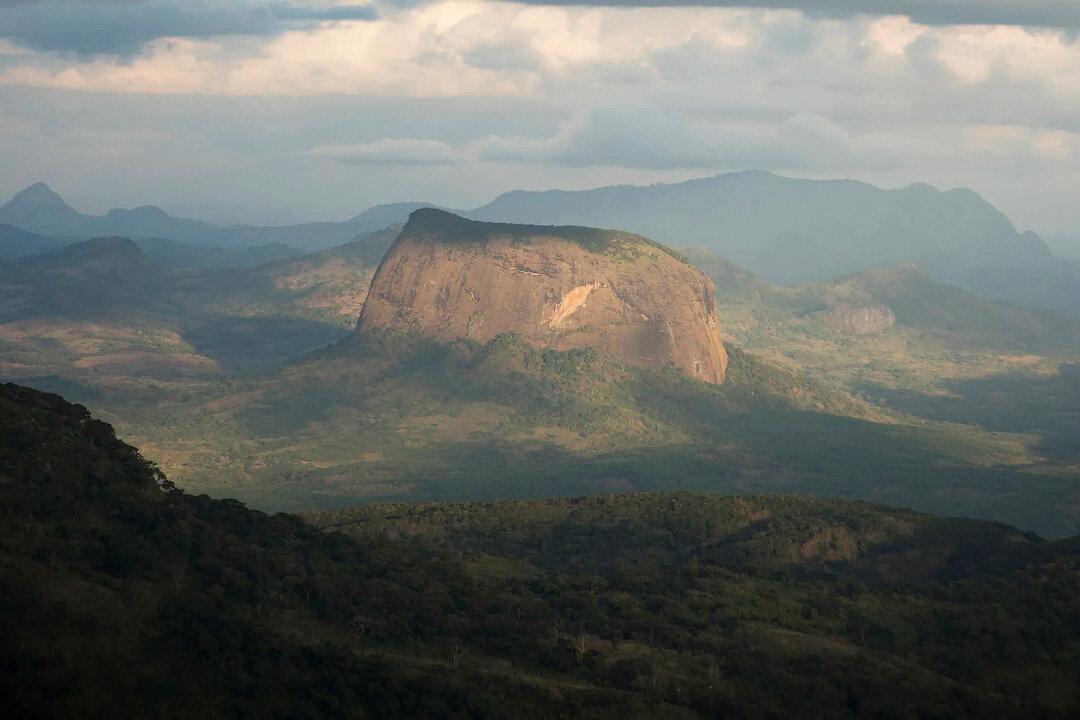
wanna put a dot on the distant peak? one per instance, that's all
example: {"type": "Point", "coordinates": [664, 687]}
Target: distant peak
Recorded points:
{"type": "Point", "coordinates": [387, 213]}
{"type": "Point", "coordinates": [144, 211]}
{"type": "Point", "coordinates": [38, 195]}
{"type": "Point", "coordinates": [99, 246]}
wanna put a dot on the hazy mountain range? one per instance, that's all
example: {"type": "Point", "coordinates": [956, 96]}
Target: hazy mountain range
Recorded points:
{"type": "Point", "coordinates": [786, 230]}
{"type": "Point", "coordinates": [40, 210]}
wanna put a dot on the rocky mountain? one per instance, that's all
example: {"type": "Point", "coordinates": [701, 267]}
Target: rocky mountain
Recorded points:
{"type": "Point", "coordinates": [123, 596]}
{"type": "Point", "coordinates": [791, 230]}
{"type": "Point", "coordinates": [40, 210]}
{"type": "Point", "coordinates": [554, 287]}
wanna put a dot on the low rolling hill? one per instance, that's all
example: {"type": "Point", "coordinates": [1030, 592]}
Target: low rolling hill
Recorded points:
{"type": "Point", "coordinates": [101, 312]}
{"type": "Point", "coordinates": [921, 347]}
{"type": "Point", "coordinates": [397, 416]}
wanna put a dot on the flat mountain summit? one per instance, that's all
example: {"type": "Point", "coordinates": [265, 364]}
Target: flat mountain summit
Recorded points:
{"type": "Point", "coordinates": [556, 287]}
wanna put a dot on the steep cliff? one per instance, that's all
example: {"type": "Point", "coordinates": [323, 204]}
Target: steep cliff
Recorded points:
{"type": "Point", "coordinates": [556, 287]}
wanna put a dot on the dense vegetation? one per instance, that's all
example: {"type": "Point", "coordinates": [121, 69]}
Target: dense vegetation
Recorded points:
{"type": "Point", "coordinates": [123, 596]}
{"type": "Point", "coordinates": [451, 228]}
{"type": "Point", "coordinates": [383, 416]}
{"type": "Point", "coordinates": [952, 355]}
{"type": "Point", "coordinates": [102, 313]}
{"type": "Point", "coordinates": [965, 406]}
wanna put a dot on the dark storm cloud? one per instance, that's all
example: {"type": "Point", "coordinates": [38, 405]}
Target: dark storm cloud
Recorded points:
{"type": "Point", "coordinates": [123, 27]}
{"type": "Point", "coordinates": [1064, 14]}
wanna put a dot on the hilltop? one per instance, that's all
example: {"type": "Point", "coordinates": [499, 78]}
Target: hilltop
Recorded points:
{"type": "Point", "coordinates": [555, 287]}
{"type": "Point", "coordinates": [103, 312]}
{"type": "Point", "coordinates": [915, 334]}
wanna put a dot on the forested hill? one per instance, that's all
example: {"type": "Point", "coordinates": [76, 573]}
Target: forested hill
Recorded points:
{"type": "Point", "coordinates": [121, 596]}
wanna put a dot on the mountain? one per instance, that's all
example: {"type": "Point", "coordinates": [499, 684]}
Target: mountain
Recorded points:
{"type": "Point", "coordinates": [123, 596]}
{"type": "Point", "coordinates": [908, 295]}
{"type": "Point", "coordinates": [381, 216]}
{"type": "Point", "coordinates": [226, 378]}
{"type": "Point", "coordinates": [898, 325]}
{"type": "Point", "coordinates": [104, 312]}
{"type": "Point", "coordinates": [18, 243]}
{"type": "Point", "coordinates": [555, 287]}
{"type": "Point", "coordinates": [938, 352]}
{"type": "Point", "coordinates": [186, 255]}
{"type": "Point", "coordinates": [39, 210]}
{"type": "Point", "coordinates": [93, 278]}
{"type": "Point", "coordinates": [786, 230]}
{"type": "Point", "coordinates": [791, 230]}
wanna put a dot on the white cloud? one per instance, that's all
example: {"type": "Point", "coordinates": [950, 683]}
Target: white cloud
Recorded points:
{"type": "Point", "coordinates": [642, 137]}
{"type": "Point", "coordinates": [1022, 144]}
{"type": "Point", "coordinates": [623, 94]}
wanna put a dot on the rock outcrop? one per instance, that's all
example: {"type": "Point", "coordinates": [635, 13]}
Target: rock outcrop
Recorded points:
{"type": "Point", "coordinates": [861, 320]}
{"type": "Point", "coordinates": [556, 287]}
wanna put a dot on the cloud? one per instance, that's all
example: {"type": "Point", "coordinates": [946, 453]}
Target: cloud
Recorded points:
{"type": "Point", "coordinates": [123, 27]}
{"type": "Point", "coordinates": [455, 100]}
{"type": "Point", "coordinates": [645, 138]}
{"type": "Point", "coordinates": [1063, 14]}
{"type": "Point", "coordinates": [1018, 144]}
{"type": "Point", "coordinates": [391, 151]}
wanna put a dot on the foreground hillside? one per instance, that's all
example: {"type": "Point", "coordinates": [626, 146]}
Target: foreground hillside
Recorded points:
{"type": "Point", "coordinates": [122, 596]}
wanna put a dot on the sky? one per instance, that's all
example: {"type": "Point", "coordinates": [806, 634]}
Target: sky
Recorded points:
{"type": "Point", "coordinates": [273, 112]}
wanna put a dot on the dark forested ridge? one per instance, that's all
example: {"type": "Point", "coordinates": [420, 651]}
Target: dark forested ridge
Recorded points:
{"type": "Point", "coordinates": [121, 596]}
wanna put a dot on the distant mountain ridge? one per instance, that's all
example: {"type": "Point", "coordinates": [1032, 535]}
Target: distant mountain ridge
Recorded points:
{"type": "Point", "coordinates": [786, 230]}
{"type": "Point", "coordinates": [40, 210]}
{"type": "Point", "coordinates": [16, 242]}
{"type": "Point", "coordinates": [791, 230]}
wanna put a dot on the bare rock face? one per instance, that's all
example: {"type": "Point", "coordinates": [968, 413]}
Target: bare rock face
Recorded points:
{"type": "Point", "coordinates": [859, 320]}
{"type": "Point", "coordinates": [556, 287]}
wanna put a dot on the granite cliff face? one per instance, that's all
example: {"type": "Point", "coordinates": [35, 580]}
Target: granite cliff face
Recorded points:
{"type": "Point", "coordinates": [556, 287]}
